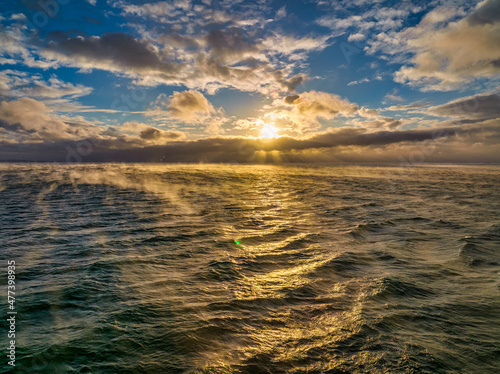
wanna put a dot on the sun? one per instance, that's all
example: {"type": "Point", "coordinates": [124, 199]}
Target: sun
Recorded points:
{"type": "Point", "coordinates": [269, 131]}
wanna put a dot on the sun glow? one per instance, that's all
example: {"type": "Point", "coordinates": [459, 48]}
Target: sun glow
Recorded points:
{"type": "Point", "coordinates": [269, 131]}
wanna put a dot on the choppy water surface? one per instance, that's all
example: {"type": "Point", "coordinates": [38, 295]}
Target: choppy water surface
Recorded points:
{"type": "Point", "coordinates": [254, 269]}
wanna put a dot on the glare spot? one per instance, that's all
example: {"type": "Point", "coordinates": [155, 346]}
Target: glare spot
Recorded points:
{"type": "Point", "coordinates": [269, 131]}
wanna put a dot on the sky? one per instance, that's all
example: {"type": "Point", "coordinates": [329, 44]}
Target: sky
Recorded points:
{"type": "Point", "coordinates": [257, 81]}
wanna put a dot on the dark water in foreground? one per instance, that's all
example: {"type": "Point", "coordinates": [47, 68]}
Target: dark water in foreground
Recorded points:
{"type": "Point", "coordinates": [253, 269]}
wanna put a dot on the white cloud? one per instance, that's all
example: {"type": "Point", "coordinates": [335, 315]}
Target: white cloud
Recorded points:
{"type": "Point", "coordinates": [187, 106]}
{"type": "Point", "coordinates": [366, 20]}
{"type": "Point", "coordinates": [364, 80]}
{"type": "Point", "coordinates": [393, 96]}
{"type": "Point", "coordinates": [301, 113]}
{"type": "Point", "coordinates": [31, 119]}
{"type": "Point", "coordinates": [356, 37]}
{"type": "Point", "coordinates": [448, 55]}
{"type": "Point", "coordinates": [19, 84]}
{"type": "Point", "coordinates": [416, 105]}
{"type": "Point", "coordinates": [316, 104]}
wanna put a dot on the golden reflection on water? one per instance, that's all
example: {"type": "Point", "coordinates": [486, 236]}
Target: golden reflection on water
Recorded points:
{"type": "Point", "coordinates": [291, 335]}
{"type": "Point", "coordinates": [291, 332]}
{"type": "Point", "coordinates": [268, 286]}
{"type": "Point", "coordinates": [288, 331]}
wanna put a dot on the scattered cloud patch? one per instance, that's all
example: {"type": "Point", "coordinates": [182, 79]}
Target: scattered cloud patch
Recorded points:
{"type": "Point", "coordinates": [364, 112]}
{"type": "Point", "coordinates": [364, 80]}
{"type": "Point", "coordinates": [407, 107]}
{"type": "Point", "coordinates": [19, 84]}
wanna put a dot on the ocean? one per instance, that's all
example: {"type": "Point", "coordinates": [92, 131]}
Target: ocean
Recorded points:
{"type": "Point", "coordinates": [154, 268]}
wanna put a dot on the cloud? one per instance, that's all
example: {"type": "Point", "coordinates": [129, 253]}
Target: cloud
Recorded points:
{"type": "Point", "coordinates": [364, 112]}
{"type": "Point", "coordinates": [379, 123]}
{"type": "Point", "coordinates": [290, 99]}
{"type": "Point", "coordinates": [117, 52]}
{"type": "Point", "coordinates": [27, 121]}
{"type": "Point", "coordinates": [15, 44]}
{"type": "Point", "coordinates": [151, 134]}
{"type": "Point", "coordinates": [439, 15]}
{"type": "Point", "coordinates": [231, 43]}
{"type": "Point", "coordinates": [184, 13]}
{"type": "Point", "coordinates": [301, 113]}
{"type": "Point", "coordinates": [291, 83]}
{"type": "Point", "coordinates": [187, 106]}
{"type": "Point", "coordinates": [19, 84]}
{"type": "Point", "coordinates": [281, 13]}
{"type": "Point", "coordinates": [218, 58]}
{"type": "Point", "coordinates": [406, 107]}
{"type": "Point", "coordinates": [364, 80]}
{"type": "Point", "coordinates": [392, 96]}
{"type": "Point", "coordinates": [451, 56]}
{"type": "Point", "coordinates": [28, 118]}
{"type": "Point", "coordinates": [356, 37]}
{"type": "Point", "coordinates": [366, 19]}
{"type": "Point", "coordinates": [314, 104]}
{"type": "Point", "coordinates": [487, 13]}
{"type": "Point", "coordinates": [473, 107]}
{"type": "Point", "coordinates": [158, 9]}
{"type": "Point", "coordinates": [202, 46]}
{"type": "Point", "coordinates": [288, 45]}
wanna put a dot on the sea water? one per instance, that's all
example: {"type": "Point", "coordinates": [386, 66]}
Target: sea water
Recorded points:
{"type": "Point", "coordinates": [149, 268]}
